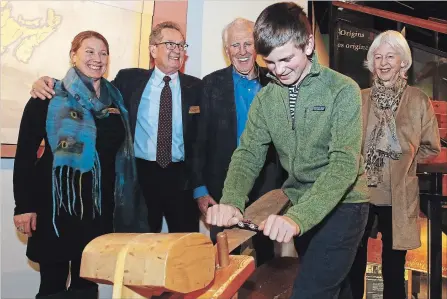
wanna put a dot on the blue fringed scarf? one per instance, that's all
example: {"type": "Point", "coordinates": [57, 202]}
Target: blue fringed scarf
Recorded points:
{"type": "Point", "coordinates": [71, 132]}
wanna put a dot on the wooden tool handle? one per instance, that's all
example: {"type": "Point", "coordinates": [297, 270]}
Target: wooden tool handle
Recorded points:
{"type": "Point", "coordinates": [222, 250]}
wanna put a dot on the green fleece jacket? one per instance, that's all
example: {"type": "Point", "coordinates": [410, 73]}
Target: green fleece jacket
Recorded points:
{"type": "Point", "coordinates": [319, 148]}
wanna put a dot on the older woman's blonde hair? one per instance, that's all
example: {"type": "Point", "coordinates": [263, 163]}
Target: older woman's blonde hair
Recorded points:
{"type": "Point", "coordinates": [396, 40]}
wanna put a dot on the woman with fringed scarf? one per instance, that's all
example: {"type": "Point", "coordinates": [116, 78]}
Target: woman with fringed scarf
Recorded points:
{"type": "Point", "coordinates": [399, 129]}
{"type": "Point", "coordinates": [83, 186]}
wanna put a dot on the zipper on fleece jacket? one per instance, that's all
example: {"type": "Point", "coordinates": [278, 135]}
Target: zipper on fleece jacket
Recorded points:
{"type": "Point", "coordinates": [285, 101]}
{"type": "Point", "coordinates": [293, 125]}
{"type": "Point", "coordinates": [297, 98]}
{"type": "Point", "coordinates": [278, 82]}
{"type": "Point", "coordinates": [296, 107]}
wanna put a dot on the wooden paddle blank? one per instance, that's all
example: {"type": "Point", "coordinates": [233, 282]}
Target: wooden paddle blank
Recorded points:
{"type": "Point", "coordinates": [273, 202]}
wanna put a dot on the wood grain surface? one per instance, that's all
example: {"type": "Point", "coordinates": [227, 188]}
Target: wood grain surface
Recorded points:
{"type": "Point", "coordinates": [226, 284]}
{"type": "Point", "coordinates": [273, 202]}
{"type": "Point", "coordinates": [177, 262]}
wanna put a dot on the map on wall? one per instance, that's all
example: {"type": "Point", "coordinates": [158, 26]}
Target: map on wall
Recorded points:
{"type": "Point", "coordinates": [25, 34]}
{"type": "Point", "coordinates": [36, 38]}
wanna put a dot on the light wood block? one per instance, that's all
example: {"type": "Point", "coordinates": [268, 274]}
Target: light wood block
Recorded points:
{"type": "Point", "coordinates": [150, 263]}
{"type": "Point", "coordinates": [100, 255]}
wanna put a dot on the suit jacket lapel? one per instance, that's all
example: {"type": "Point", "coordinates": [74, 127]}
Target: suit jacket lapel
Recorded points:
{"type": "Point", "coordinates": [230, 104]}
{"type": "Point", "coordinates": [136, 99]}
{"type": "Point", "coordinates": [185, 94]}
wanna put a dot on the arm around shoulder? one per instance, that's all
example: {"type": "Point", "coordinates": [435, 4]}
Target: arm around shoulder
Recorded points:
{"type": "Point", "coordinates": [43, 88]}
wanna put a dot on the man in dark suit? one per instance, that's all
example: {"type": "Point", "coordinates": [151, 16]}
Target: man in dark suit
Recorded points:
{"type": "Point", "coordinates": [227, 95]}
{"type": "Point", "coordinates": [166, 181]}
{"type": "Point", "coordinates": [164, 113]}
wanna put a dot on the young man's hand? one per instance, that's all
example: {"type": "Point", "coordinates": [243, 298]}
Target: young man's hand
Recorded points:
{"type": "Point", "coordinates": [43, 88]}
{"type": "Point", "coordinates": [279, 228]}
{"type": "Point", "coordinates": [223, 215]}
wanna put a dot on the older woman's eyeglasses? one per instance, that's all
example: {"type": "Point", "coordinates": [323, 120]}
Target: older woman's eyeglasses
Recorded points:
{"type": "Point", "coordinates": [172, 45]}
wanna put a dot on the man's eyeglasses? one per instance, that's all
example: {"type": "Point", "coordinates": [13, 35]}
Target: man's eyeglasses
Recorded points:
{"type": "Point", "coordinates": [172, 46]}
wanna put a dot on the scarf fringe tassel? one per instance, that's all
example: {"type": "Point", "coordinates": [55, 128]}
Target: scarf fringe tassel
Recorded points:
{"type": "Point", "coordinates": [68, 187]}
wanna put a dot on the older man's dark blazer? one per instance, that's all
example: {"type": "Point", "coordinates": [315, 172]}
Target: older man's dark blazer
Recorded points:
{"type": "Point", "coordinates": [221, 136]}
{"type": "Point", "coordinates": [132, 82]}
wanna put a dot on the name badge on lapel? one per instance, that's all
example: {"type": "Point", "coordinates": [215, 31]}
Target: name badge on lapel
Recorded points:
{"type": "Point", "coordinates": [319, 108]}
{"type": "Point", "coordinates": [194, 109]}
